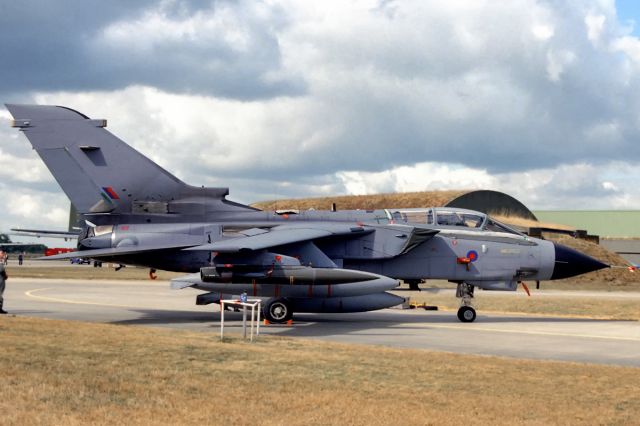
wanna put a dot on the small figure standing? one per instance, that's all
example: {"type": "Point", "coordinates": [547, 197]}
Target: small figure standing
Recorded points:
{"type": "Point", "coordinates": [20, 258]}
{"type": "Point", "coordinates": [3, 280]}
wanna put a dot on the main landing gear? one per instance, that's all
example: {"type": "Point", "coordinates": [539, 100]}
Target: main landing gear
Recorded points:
{"type": "Point", "coordinates": [277, 310]}
{"type": "Point", "coordinates": [466, 313]}
{"type": "Point", "coordinates": [413, 284]}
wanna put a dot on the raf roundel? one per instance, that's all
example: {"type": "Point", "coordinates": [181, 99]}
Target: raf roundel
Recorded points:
{"type": "Point", "coordinates": [472, 255]}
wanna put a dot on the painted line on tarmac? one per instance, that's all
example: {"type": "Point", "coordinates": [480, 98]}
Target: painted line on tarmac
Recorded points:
{"type": "Point", "coordinates": [85, 282]}
{"type": "Point", "coordinates": [535, 333]}
{"type": "Point", "coordinates": [73, 302]}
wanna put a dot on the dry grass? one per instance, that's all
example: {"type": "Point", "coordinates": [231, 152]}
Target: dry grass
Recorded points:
{"type": "Point", "coordinates": [57, 372]}
{"type": "Point", "coordinates": [366, 202]}
{"type": "Point", "coordinates": [528, 223]}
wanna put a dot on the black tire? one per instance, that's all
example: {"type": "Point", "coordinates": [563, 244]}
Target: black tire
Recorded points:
{"type": "Point", "coordinates": [466, 314]}
{"type": "Point", "coordinates": [277, 311]}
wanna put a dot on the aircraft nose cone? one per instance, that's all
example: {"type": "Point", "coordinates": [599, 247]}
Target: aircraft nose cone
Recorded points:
{"type": "Point", "coordinates": [570, 262]}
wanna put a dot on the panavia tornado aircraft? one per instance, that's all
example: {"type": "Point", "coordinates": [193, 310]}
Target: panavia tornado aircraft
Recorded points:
{"type": "Point", "coordinates": [313, 261]}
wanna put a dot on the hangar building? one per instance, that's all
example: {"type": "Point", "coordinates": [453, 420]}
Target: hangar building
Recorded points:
{"type": "Point", "coordinates": [492, 202]}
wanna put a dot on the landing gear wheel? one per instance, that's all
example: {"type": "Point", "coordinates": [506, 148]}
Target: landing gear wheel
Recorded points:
{"type": "Point", "coordinates": [466, 314]}
{"type": "Point", "coordinates": [277, 311]}
{"type": "Point", "coordinates": [464, 292]}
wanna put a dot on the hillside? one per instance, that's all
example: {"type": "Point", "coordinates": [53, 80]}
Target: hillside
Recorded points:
{"type": "Point", "coordinates": [617, 277]}
{"type": "Point", "coordinates": [421, 199]}
{"type": "Point", "coordinates": [365, 202]}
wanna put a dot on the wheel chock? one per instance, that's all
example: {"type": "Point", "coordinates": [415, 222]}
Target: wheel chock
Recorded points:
{"type": "Point", "coordinates": [266, 322]}
{"type": "Point", "coordinates": [423, 306]}
{"type": "Point", "coordinates": [290, 323]}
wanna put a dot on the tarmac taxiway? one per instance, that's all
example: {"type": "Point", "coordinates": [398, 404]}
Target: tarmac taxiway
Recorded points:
{"type": "Point", "coordinates": [153, 303]}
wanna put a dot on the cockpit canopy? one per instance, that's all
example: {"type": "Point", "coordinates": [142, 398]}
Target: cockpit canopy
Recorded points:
{"type": "Point", "coordinates": [448, 217]}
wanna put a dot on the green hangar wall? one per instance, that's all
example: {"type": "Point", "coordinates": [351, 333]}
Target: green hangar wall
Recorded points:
{"type": "Point", "coordinates": [605, 223]}
{"type": "Point", "coordinates": [619, 230]}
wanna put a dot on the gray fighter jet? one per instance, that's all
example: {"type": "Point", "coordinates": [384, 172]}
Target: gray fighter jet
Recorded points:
{"type": "Point", "coordinates": [313, 261]}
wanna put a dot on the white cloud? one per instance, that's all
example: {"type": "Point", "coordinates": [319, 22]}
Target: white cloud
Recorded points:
{"type": "Point", "coordinates": [628, 45]}
{"type": "Point", "coordinates": [595, 27]}
{"type": "Point", "coordinates": [419, 177]}
{"type": "Point", "coordinates": [542, 31]}
{"type": "Point", "coordinates": [26, 170]}
{"type": "Point", "coordinates": [156, 27]}
{"type": "Point", "coordinates": [609, 132]}
{"type": "Point", "coordinates": [557, 61]}
{"type": "Point", "coordinates": [537, 99]}
{"type": "Point", "coordinates": [27, 208]}
{"type": "Point", "coordinates": [23, 205]}
{"type": "Point", "coordinates": [579, 186]}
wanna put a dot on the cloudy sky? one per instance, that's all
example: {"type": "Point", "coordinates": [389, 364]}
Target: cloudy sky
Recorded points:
{"type": "Point", "coordinates": [539, 99]}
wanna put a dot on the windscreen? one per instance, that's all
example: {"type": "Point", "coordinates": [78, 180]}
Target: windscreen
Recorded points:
{"type": "Point", "coordinates": [495, 226]}
{"type": "Point", "coordinates": [462, 219]}
{"type": "Point", "coordinates": [413, 216]}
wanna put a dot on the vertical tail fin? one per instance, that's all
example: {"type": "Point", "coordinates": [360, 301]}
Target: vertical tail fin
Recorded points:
{"type": "Point", "coordinates": [98, 172]}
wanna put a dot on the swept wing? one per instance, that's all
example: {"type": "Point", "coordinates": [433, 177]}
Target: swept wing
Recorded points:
{"type": "Point", "coordinates": [260, 239]}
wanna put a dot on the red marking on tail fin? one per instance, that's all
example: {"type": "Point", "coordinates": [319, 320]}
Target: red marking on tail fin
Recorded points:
{"type": "Point", "coordinates": [111, 193]}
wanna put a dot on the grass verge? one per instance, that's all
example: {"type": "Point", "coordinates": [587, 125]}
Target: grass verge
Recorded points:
{"type": "Point", "coordinates": [57, 372]}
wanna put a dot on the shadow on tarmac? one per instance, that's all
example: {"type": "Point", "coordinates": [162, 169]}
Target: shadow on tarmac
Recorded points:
{"type": "Point", "coordinates": [331, 324]}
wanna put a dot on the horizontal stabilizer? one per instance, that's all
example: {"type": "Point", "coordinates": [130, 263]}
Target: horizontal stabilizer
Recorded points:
{"type": "Point", "coordinates": [44, 233]}
{"type": "Point", "coordinates": [110, 252]}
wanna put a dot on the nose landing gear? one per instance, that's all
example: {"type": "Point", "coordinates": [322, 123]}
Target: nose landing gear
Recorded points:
{"type": "Point", "coordinates": [466, 313]}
